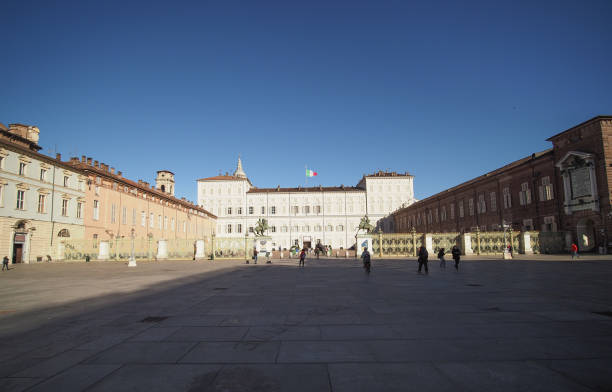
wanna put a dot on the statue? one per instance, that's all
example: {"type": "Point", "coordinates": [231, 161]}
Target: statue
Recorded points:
{"type": "Point", "coordinates": [365, 225]}
{"type": "Point", "coordinates": [261, 227]}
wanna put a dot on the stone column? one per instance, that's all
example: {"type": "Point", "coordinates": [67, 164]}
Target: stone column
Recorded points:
{"type": "Point", "coordinates": [212, 247]}
{"type": "Point", "coordinates": [428, 238]}
{"type": "Point", "coordinates": [526, 243]}
{"type": "Point", "coordinates": [466, 244]}
{"type": "Point", "coordinates": [162, 250]}
{"type": "Point", "coordinates": [199, 254]}
{"type": "Point", "coordinates": [380, 244]}
{"type": "Point", "coordinates": [104, 250]}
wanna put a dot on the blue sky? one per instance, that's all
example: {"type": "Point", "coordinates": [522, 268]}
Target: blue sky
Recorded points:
{"type": "Point", "coordinates": [445, 90]}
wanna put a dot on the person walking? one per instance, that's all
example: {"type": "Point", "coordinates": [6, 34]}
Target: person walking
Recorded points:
{"type": "Point", "coordinates": [365, 256]}
{"type": "Point", "coordinates": [456, 256]}
{"type": "Point", "coordinates": [441, 254]}
{"type": "Point", "coordinates": [5, 261]}
{"type": "Point", "coordinates": [574, 250]}
{"type": "Point", "coordinates": [302, 257]}
{"type": "Point", "coordinates": [423, 256]}
{"type": "Point", "coordinates": [255, 255]}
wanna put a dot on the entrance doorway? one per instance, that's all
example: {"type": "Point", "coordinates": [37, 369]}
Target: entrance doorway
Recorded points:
{"type": "Point", "coordinates": [17, 253]}
{"type": "Point", "coordinates": [307, 244]}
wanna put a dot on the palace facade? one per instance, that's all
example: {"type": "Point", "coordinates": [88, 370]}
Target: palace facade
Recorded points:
{"type": "Point", "coordinates": [303, 216]}
{"type": "Point", "coordinates": [565, 188]}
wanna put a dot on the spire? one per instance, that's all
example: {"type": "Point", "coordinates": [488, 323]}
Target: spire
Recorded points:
{"type": "Point", "coordinates": [239, 172]}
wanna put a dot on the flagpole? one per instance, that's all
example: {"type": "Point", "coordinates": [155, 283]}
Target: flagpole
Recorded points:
{"type": "Point", "coordinates": [306, 176]}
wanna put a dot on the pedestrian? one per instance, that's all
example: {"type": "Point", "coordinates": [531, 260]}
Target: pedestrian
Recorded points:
{"type": "Point", "coordinates": [302, 257]}
{"type": "Point", "coordinates": [254, 255]}
{"type": "Point", "coordinates": [423, 256]}
{"type": "Point", "coordinates": [365, 255]}
{"type": "Point", "coordinates": [456, 256]}
{"type": "Point", "coordinates": [441, 257]}
{"type": "Point", "coordinates": [574, 251]}
{"type": "Point", "coordinates": [5, 261]}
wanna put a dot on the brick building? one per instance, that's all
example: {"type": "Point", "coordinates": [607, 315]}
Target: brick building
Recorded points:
{"type": "Point", "coordinates": [565, 188]}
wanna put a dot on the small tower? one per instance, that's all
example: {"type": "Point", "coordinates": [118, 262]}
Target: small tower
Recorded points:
{"type": "Point", "coordinates": [165, 182]}
{"type": "Point", "coordinates": [239, 172]}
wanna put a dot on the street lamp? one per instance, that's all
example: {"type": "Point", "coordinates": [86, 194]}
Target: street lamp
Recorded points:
{"type": "Point", "coordinates": [132, 262]}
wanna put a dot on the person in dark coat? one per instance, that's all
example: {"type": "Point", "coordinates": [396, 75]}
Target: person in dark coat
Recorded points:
{"type": "Point", "coordinates": [423, 256]}
{"type": "Point", "coordinates": [5, 263]}
{"type": "Point", "coordinates": [456, 256]}
{"type": "Point", "coordinates": [441, 254]}
{"type": "Point", "coordinates": [302, 257]}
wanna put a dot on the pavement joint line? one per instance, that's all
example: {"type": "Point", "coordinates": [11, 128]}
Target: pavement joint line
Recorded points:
{"type": "Point", "coordinates": [195, 344]}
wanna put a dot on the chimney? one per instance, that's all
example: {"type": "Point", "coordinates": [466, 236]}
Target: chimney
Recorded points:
{"type": "Point", "coordinates": [83, 158]}
{"type": "Point", "coordinates": [96, 164]}
{"type": "Point", "coordinates": [119, 173]}
{"type": "Point", "coordinates": [112, 170]}
{"type": "Point", "coordinates": [139, 182]}
{"type": "Point", "coordinates": [89, 161]}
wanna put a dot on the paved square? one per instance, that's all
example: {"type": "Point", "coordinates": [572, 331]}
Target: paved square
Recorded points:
{"type": "Point", "coordinates": [522, 325]}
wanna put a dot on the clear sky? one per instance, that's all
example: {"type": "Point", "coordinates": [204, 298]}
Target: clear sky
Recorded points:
{"type": "Point", "coordinates": [446, 90]}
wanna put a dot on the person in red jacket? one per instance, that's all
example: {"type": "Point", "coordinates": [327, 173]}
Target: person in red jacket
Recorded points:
{"type": "Point", "coordinates": [574, 251]}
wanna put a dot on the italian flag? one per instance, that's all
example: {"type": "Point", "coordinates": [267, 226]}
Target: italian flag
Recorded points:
{"type": "Point", "coordinates": [310, 173]}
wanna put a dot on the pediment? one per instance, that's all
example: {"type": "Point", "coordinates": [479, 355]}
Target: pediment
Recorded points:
{"type": "Point", "coordinates": [574, 158]}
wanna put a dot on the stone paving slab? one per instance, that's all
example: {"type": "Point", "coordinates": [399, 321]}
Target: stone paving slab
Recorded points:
{"type": "Point", "coordinates": [538, 324]}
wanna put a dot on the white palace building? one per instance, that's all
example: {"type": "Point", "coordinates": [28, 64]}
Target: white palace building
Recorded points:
{"type": "Point", "coordinates": [304, 216]}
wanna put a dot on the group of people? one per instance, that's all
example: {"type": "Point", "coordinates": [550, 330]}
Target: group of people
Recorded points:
{"type": "Point", "coordinates": [424, 256]}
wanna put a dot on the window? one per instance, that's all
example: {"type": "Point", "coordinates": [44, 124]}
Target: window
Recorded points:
{"type": "Point", "coordinates": [133, 216]}
{"type": "Point", "coordinates": [452, 211]}
{"type": "Point", "coordinates": [238, 228]}
{"type": "Point", "coordinates": [113, 208]}
{"type": "Point", "coordinates": [283, 229]}
{"type": "Point", "coordinates": [41, 204]}
{"type": "Point", "coordinates": [43, 174]}
{"type": "Point", "coordinates": [165, 223]}
{"type": "Point", "coordinates": [443, 214]}
{"type": "Point", "coordinates": [172, 224]}
{"type": "Point", "coordinates": [151, 220]}
{"type": "Point", "coordinates": [546, 191]}
{"type": "Point", "coordinates": [493, 201]}
{"type": "Point", "coordinates": [1, 162]}
{"type": "Point", "coordinates": [317, 228]}
{"type": "Point", "coordinates": [273, 210]}
{"type": "Point", "coordinates": [263, 210]}
{"type": "Point", "coordinates": [250, 210]}
{"type": "Point", "coordinates": [330, 228]}
{"type": "Point", "coordinates": [306, 229]}
{"type": "Point", "coordinates": [229, 210]}
{"type": "Point", "coordinates": [436, 215]}
{"type": "Point", "coordinates": [295, 209]}
{"type": "Point", "coordinates": [22, 169]}
{"type": "Point", "coordinates": [80, 185]}
{"type": "Point", "coordinates": [96, 210]}
{"type": "Point", "coordinates": [461, 209]}
{"type": "Point", "coordinates": [296, 228]}
{"type": "Point", "coordinates": [64, 207]}
{"type": "Point", "coordinates": [340, 228]}
{"type": "Point", "coordinates": [306, 209]}
{"type": "Point", "coordinates": [317, 209]}
{"type": "Point", "coordinates": [239, 211]}
{"type": "Point", "coordinates": [143, 218]}
{"type": "Point", "coordinates": [429, 217]}
{"type": "Point", "coordinates": [251, 229]}
{"type": "Point", "coordinates": [159, 222]}
{"type": "Point", "coordinates": [66, 179]}
{"type": "Point", "coordinates": [79, 210]}
{"type": "Point", "coordinates": [124, 215]}
{"type": "Point", "coordinates": [97, 190]}
{"type": "Point", "coordinates": [229, 229]}
{"type": "Point", "coordinates": [273, 229]}
{"type": "Point", "coordinates": [185, 226]}
{"type": "Point", "coordinates": [527, 224]}
{"type": "Point", "coordinates": [482, 204]}
{"type": "Point", "coordinates": [524, 194]}
{"type": "Point", "coordinates": [98, 180]}
{"type": "Point", "coordinates": [507, 197]}
{"type": "Point", "coordinates": [471, 206]}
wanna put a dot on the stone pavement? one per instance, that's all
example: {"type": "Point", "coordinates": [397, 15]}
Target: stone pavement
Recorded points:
{"type": "Point", "coordinates": [521, 325]}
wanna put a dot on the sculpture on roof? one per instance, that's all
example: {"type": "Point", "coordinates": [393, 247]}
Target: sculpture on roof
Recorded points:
{"type": "Point", "coordinates": [261, 227]}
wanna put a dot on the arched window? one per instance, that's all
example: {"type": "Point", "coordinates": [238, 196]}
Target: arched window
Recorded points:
{"type": "Point", "coordinates": [63, 233]}
{"type": "Point", "coordinates": [163, 188]}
